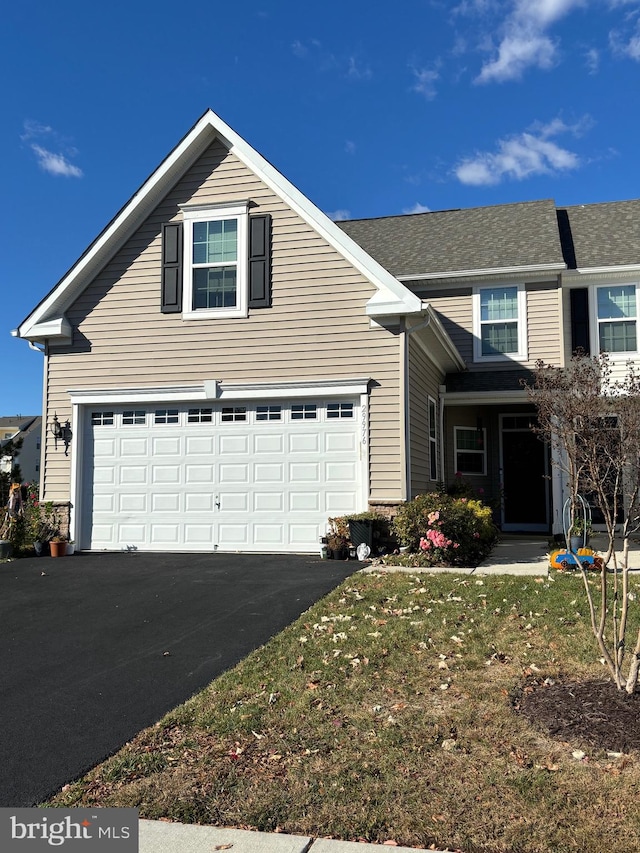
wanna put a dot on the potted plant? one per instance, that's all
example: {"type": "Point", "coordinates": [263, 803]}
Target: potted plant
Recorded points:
{"type": "Point", "coordinates": [579, 533]}
{"type": "Point", "coordinates": [338, 547]}
{"type": "Point", "coordinates": [58, 546]}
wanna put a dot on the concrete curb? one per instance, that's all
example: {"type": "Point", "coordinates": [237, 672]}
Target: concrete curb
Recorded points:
{"type": "Point", "coordinates": [165, 837]}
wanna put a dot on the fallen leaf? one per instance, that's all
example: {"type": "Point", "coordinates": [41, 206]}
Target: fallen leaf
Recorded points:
{"type": "Point", "coordinates": [223, 847]}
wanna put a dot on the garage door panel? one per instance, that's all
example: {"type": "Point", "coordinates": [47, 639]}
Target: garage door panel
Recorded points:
{"type": "Point", "coordinates": [133, 502]}
{"type": "Point", "coordinates": [134, 447]}
{"type": "Point", "coordinates": [268, 535]}
{"type": "Point", "coordinates": [195, 502]}
{"type": "Point", "coordinates": [340, 503]}
{"type": "Point", "coordinates": [133, 474]}
{"type": "Point", "coordinates": [104, 448]}
{"type": "Point", "coordinates": [234, 444]}
{"type": "Point", "coordinates": [340, 442]}
{"type": "Point", "coordinates": [166, 445]}
{"type": "Point", "coordinates": [269, 472]}
{"type": "Point", "coordinates": [304, 501]}
{"type": "Point", "coordinates": [304, 472]}
{"type": "Point", "coordinates": [233, 534]}
{"type": "Point", "coordinates": [340, 472]}
{"type": "Point", "coordinates": [200, 445]}
{"type": "Point", "coordinates": [199, 474]}
{"type": "Point", "coordinates": [199, 534]}
{"type": "Point", "coordinates": [234, 501]}
{"type": "Point", "coordinates": [166, 474]}
{"type": "Point", "coordinates": [268, 501]}
{"type": "Point", "coordinates": [304, 442]}
{"type": "Point", "coordinates": [165, 534]}
{"type": "Point", "coordinates": [268, 443]}
{"type": "Point", "coordinates": [266, 482]}
{"type": "Point", "coordinates": [165, 502]}
{"type": "Point", "coordinates": [132, 534]}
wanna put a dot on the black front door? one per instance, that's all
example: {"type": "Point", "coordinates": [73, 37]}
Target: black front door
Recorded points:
{"type": "Point", "coordinates": [525, 486]}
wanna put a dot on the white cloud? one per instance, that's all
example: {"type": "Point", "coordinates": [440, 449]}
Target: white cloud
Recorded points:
{"type": "Point", "coordinates": [339, 215]}
{"type": "Point", "coordinates": [55, 164]}
{"type": "Point", "coordinates": [525, 42]}
{"type": "Point", "coordinates": [299, 50]}
{"type": "Point", "coordinates": [592, 59]}
{"type": "Point", "coordinates": [350, 147]}
{"type": "Point", "coordinates": [522, 156]}
{"type": "Point", "coordinates": [426, 79]}
{"type": "Point", "coordinates": [417, 208]}
{"type": "Point", "coordinates": [626, 45]}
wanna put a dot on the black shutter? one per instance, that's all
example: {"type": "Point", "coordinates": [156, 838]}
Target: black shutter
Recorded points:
{"type": "Point", "coordinates": [260, 261]}
{"type": "Point", "coordinates": [171, 268]}
{"type": "Point", "coordinates": [580, 337]}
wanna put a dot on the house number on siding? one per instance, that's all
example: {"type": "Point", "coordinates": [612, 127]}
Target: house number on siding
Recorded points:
{"type": "Point", "coordinates": [363, 425]}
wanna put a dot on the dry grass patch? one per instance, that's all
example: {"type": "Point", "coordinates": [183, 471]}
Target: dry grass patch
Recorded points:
{"type": "Point", "coordinates": [386, 713]}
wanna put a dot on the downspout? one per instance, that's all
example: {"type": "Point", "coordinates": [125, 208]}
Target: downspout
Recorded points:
{"type": "Point", "coordinates": [408, 330]}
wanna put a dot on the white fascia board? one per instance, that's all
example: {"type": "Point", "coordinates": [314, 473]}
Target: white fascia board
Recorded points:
{"type": "Point", "coordinates": [543, 269]}
{"type": "Point", "coordinates": [484, 398]}
{"type": "Point", "coordinates": [57, 329]}
{"type": "Point", "coordinates": [443, 338]}
{"type": "Point", "coordinates": [215, 390]}
{"type": "Point", "coordinates": [587, 273]}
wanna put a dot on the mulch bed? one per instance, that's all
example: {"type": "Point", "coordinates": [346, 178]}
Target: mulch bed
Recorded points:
{"type": "Point", "coordinates": [587, 714]}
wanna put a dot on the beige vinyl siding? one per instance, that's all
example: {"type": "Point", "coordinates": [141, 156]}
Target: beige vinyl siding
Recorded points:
{"type": "Point", "coordinates": [544, 326]}
{"type": "Point", "coordinates": [544, 321]}
{"type": "Point", "coordinates": [315, 329]}
{"type": "Point", "coordinates": [424, 379]}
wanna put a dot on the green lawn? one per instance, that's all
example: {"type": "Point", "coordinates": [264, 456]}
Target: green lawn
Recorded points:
{"type": "Point", "coordinates": [386, 713]}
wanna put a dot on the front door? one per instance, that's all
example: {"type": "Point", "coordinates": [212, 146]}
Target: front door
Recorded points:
{"type": "Point", "coordinates": [524, 468]}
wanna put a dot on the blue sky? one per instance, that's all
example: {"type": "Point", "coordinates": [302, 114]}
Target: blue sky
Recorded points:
{"type": "Point", "coordinates": [370, 110]}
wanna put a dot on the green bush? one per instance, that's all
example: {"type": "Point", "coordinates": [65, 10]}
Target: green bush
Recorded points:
{"type": "Point", "coordinates": [446, 530]}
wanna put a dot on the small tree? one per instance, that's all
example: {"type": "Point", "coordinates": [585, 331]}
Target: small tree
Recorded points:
{"type": "Point", "coordinates": [8, 454]}
{"type": "Point", "coordinates": [592, 423]}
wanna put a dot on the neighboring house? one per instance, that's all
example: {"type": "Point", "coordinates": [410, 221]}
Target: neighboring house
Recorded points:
{"type": "Point", "coordinates": [29, 429]}
{"type": "Point", "coordinates": [237, 368]}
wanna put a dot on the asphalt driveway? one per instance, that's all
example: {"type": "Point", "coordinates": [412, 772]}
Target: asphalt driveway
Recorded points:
{"type": "Point", "coordinates": [95, 647]}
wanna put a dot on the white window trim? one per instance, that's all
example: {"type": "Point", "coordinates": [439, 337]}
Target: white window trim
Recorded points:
{"type": "Point", "coordinates": [433, 439]}
{"type": "Point", "coordinates": [521, 355]}
{"type": "Point", "coordinates": [595, 321]}
{"type": "Point", "coordinates": [210, 213]}
{"type": "Point", "coordinates": [482, 473]}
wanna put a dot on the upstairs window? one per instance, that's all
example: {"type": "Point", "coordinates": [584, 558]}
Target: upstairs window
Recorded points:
{"type": "Point", "coordinates": [616, 312]}
{"type": "Point", "coordinates": [215, 261]}
{"type": "Point", "coordinates": [499, 323]}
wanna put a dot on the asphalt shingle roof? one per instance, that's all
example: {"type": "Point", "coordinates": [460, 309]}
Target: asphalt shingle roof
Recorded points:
{"type": "Point", "coordinates": [602, 235]}
{"type": "Point", "coordinates": [509, 235]}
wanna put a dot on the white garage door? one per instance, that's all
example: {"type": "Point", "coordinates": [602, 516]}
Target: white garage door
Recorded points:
{"type": "Point", "coordinates": [236, 477]}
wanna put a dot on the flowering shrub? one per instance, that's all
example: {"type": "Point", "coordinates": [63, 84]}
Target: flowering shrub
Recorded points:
{"type": "Point", "coordinates": [444, 530]}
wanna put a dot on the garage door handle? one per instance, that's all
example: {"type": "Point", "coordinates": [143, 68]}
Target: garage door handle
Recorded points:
{"type": "Point", "coordinates": [217, 501]}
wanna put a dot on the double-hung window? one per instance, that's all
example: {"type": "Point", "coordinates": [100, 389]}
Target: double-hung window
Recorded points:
{"type": "Point", "coordinates": [499, 319]}
{"type": "Point", "coordinates": [215, 261]}
{"type": "Point", "coordinates": [617, 316]}
{"type": "Point", "coordinates": [470, 450]}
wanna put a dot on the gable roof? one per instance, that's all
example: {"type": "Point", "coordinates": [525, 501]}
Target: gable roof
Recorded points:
{"type": "Point", "coordinates": [601, 235]}
{"type": "Point", "coordinates": [442, 243]}
{"type": "Point", "coordinates": [47, 320]}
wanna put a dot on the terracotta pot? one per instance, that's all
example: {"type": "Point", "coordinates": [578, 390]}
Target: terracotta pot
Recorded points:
{"type": "Point", "coordinates": [57, 549]}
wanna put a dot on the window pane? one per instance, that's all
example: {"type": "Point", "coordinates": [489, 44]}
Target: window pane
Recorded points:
{"type": "Point", "coordinates": [499, 303]}
{"type": "Point", "coordinates": [499, 338]}
{"type": "Point", "coordinates": [618, 337]}
{"type": "Point", "coordinates": [470, 463]}
{"type": "Point", "coordinates": [215, 242]}
{"type": "Point", "coordinates": [469, 439]}
{"type": "Point", "coordinates": [214, 288]}
{"type": "Point", "coordinates": [616, 302]}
